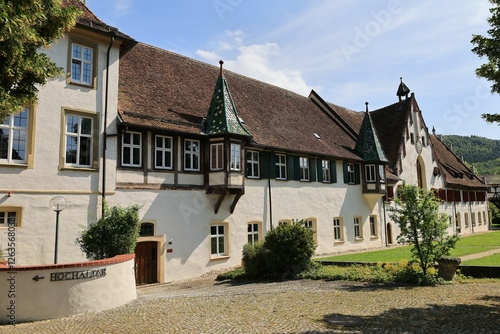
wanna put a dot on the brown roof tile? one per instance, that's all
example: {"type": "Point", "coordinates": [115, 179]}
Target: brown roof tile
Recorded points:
{"type": "Point", "coordinates": [167, 91]}
{"type": "Point", "coordinates": [455, 173]}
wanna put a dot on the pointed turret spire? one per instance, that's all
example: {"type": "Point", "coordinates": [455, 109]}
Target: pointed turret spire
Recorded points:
{"type": "Point", "coordinates": [222, 117]}
{"type": "Point", "coordinates": [368, 144]}
{"type": "Point", "coordinates": [403, 90]}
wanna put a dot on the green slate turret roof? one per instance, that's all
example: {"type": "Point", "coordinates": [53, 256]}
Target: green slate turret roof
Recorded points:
{"type": "Point", "coordinates": [368, 144]}
{"type": "Point", "coordinates": [222, 118]}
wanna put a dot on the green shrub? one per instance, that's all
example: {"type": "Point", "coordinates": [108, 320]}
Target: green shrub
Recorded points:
{"type": "Point", "coordinates": [286, 251]}
{"type": "Point", "coordinates": [114, 234]}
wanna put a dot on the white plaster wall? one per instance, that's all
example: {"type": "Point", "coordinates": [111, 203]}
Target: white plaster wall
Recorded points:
{"type": "Point", "coordinates": [185, 216]}
{"type": "Point", "coordinates": [45, 299]}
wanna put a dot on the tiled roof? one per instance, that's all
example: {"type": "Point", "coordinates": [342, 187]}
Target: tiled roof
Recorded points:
{"type": "Point", "coordinates": [166, 91]}
{"type": "Point", "coordinates": [88, 20]}
{"type": "Point", "coordinates": [222, 116]}
{"type": "Point", "coordinates": [455, 173]}
{"type": "Point", "coordinates": [390, 123]}
{"type": "Point", "coordinates": [368, 144]}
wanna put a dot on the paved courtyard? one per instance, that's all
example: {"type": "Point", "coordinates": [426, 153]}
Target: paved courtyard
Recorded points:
{"type": "Point", "coordinates": [206, 306]}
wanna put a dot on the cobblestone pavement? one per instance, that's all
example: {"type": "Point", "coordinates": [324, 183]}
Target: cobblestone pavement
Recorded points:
{"type": "Point", "coordinates": [302, 306]}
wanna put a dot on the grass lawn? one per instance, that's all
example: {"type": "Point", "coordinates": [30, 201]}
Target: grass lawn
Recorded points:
{"type": "Point", "coordinates": [472, 244]}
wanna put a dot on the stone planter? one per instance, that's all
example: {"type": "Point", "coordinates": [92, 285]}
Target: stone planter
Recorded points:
{"type": "Point", "coordinates": [448, 267]}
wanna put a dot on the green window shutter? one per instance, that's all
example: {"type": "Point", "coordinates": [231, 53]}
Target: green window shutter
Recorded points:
{"type": "Point", "coordinates": [357, 174]}
{"type": "Point", "coordinates": [312, 168]}
{"type": "Point", "coordinates": [296, 168]}
{"type": "Point", "coordinates": [319, 169]}
{"type": "Point", "coordinates": [333, 170]}
{"type": "Point", "coordinates": [267, 165]}
{"type": "Point", "coordinates": [346, 174]}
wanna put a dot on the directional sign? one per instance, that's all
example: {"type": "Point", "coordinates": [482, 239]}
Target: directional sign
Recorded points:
{"type": "Point", "coordinates": [37, 278]}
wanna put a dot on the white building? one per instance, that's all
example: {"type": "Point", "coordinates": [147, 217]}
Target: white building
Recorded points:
{"type": "Point", "coordinates": [211, 169]}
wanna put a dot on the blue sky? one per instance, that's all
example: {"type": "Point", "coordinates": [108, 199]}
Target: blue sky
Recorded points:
{"type": "Point", "coordinates": [349, 51]}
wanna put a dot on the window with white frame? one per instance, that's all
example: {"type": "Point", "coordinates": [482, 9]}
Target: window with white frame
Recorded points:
{"type": "Point", "coordinates": [370, 173]}
{"type": "Point", "coordinates": [373, 226]}
{"type": "Point", "coordinates": [218, 240]}
{"type": "Point", "coordinates": [82, 58]}
{"type": "Point", "coordinates": [337, 229]}
{"type": "Point", "coordinates": [325, 167]}
{"type": "Point", "coordinates": [10, 216]}
{"type": "Point", "coordinates": [14, 137]}
{"type": "Point", "coordinates": [381, 173]}
{"type": "Point", "coordinates": [253, 232]}
{"type": "Point", "coordinates": [79, 140]}
{"type": "Point", "coordinates": [304, 168]}
{"type": "Point", "coordinates": [280, 167]}
{"type": "Point", "coordinates": [163, 152]}
{"type": "Point", "coordinates": [351, 173]}
{"type": "Point", "coordinates": [253, 170]}
{"type": "Point", "coordinates": [217, 156]}
{"type": "Point", "coordinates": [191, 155]}
{"type": "Point", "coordinates": [235, 157]}
{"type": "Point", "coordinates": [311, 224]}
{"type": "Point", "coordinates": [131, 149]}
{"type": "Point", "coordinates": [358, 232]}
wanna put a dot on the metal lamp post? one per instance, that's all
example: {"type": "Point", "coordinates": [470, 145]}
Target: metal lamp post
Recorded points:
{"type": "Point", "coordinates": [57, 203]}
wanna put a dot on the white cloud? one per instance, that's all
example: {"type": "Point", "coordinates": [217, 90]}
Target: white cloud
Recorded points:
{"type": "Point", "coordinates": [257, 61]}
{"type": "Point", "coordinates": [122, 7]}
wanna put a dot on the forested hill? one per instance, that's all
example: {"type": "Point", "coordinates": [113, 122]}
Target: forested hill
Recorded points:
{"type": "Point", "coordinates": [482, 153]}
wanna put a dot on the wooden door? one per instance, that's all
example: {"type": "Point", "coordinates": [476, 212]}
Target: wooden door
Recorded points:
{"type": "Point", "coordinates": [146, 262]}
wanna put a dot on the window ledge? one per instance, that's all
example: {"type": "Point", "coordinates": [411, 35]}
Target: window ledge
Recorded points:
{"type": "Point", "coordinates": [223, 257]}
{"type": "Point", "coordinates": [374, 237]}
{"type": "Point", "coordinates": [80, 169]}
{"type": "Point", "coordinates": [359, 239]}
{"type": "Point", "coordinates": [13, 165]}
{"type": "Point", "coordinates": [339, 242]}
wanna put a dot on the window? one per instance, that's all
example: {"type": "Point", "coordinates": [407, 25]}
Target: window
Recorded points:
{"type": "Point", "coordinates": [357, 228]}
{"type": "Point", "coordinates": [304, 168]}
{"type": "Point", "coordinates": [280, 167]}
{"type": "Point", "coordinates": [253, 170]}
{"type": "Point", "coordinates": [479, 220]}
{"type": "Point", "coordinates": [284, 222]}
{"type": "Point", "coordinates": [131, 149]}
{"type": "Point", "coordinates": [217, 156]}
{"type": "Point", "coordinates": [473, 218]}
{"type": "Point", "coordinates": [235, 157]}
{"type": "Point", "coordinates": [484, 217]}
{"type": "Point", "coordinates": [10, 217]}
{"type": "Point", "coordinates": [253, 232]}
{"type": "Point", "coordinates": [466, 219]}
{"type": "Point", "coordinates": [311, 224]}
{"type": "Point", "coordinates": [381, 173]}
{"type": "Point", "coordinates": [337, 229]}
{"type": "Point", "coordinates": [14, 138]}
{"type": "Point", "coordinates": [370, 173]}
{"type": "Point", "coordinates": [79, 145]}
{"type": "Point", "coordinates": [350, 173]}
{"type": "Point", "coordinates": [218, 240]}
{"type": "Point", "coordinates": [163, 152]}
{"type": "Point", "coordinates": [412, 138]}
{"type": "Point", "coordinates": [147, 230]}
{"type": "Point", "coordinates": [325, 167]}
{"type": "Point", "coordinates": [373, 226]}
{"type": "Point", "coordinates": [81, 64]}
{"type": "Point", "coordinates": [191, 155]}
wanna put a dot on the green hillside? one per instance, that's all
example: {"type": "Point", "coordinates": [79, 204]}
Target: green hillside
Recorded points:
{"type": "Point", "coordinates": [482, 153]}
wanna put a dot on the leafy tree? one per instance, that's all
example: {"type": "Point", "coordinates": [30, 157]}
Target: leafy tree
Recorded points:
{"type": "Point", "coordinates": [114, 234]}
{"type": "Point", "coordinates": [489, 47]}
{"type": "Point", "coordinates": [421, 225]}
{"type": "Point", "coordinates": [26, 27]}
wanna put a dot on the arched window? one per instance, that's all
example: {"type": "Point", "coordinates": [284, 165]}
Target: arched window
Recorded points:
{"type": "Point", "coordinates": [419, 174]}
{"type": "Point", "coordinates": [147, 230]}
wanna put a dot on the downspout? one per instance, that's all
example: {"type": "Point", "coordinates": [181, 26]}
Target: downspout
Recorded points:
{"type": "Point", "coordinates": [270, 194]}
{"type": "Point", "coordinates": [385, 223]}
{"type": "Point", "coordinates": [105, 131]}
